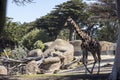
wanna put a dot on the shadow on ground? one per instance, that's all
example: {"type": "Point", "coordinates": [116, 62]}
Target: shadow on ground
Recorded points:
{"type": "Point", "coordinates": [53, 77]}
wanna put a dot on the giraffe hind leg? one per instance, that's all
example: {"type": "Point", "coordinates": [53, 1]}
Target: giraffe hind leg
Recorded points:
{"type": "Point", "coordinates": [99, 59]}
{"type": "Point", "coordinates": [93, 67]}
{"type": "Point", "coordinates": [95, 61]}
{"type": "Point", "coordinates": [87, 68]}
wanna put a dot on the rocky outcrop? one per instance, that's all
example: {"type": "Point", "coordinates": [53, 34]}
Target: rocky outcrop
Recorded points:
{"type": "Point", "coordinates": [31, 67]}
{"type": "Point", "coordinates": [58, 53]}
{"type": "Point", "coordinates": [65, 48]}
{"type": "Point", "coordinates": [50, 64]}
{"type": "Point", "coordinates": [3, 70]}
{"type": "Point", "coordinates": [77, 47]}
{"type": "Point", "coordinates": [35, 53]}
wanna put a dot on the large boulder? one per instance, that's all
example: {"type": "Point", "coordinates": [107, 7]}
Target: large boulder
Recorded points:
{"type": "Point", "coordinates": [107, 48]}
{"type": "Point", "coordinates": [3, 70]}
{"type": "Point", "coordinates": [77, 47]}
{"type": "Point", "coordinates": [64, 47]}
{"type": "Point", "coordinates": [32, 67]}
{"type": "Point", "coordinates": [35, 53]}
{"type": "Point", "coordinates": [51, 64]}
{"type": "Point", "coordinates": [47, 44]}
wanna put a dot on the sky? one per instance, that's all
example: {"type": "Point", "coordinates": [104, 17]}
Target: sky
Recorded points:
{"type": "Point", "coordinates": [31, 12]}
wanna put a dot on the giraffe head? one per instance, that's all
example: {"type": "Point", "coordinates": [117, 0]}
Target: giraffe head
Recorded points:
{"type": "Point", "coordinates": [69, 19]}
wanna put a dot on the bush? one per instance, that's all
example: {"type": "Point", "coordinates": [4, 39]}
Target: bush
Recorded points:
{"type": "Point", "coordinates": [39, 44]}
{"type": "Point", "coordinates": [6, 52]}
{"type": "Point", "coordinates": [29, 39]}
{"type": "Point", "coordinates": [19, 53]}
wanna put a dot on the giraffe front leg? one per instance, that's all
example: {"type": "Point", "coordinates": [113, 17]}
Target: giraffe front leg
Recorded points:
{"type": "Point", "coordinates": [85, 60]}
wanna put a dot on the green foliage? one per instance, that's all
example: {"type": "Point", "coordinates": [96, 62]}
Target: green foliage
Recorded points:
{"type": "Point", "coordinates": [53, 22]}
{"type": "Point", "coordinates": [64, 34]}
{"type": "Point", "coordinates": [39, 44]}
{"type": "Point", "coordinates": [18, 53]}
{"type": "Point", "coordinates": [104, 16]}
{"type": "Point", "coordinates": [13, 32]}
{"type": "Point", "coordinates": [108, 33]}
{"type": "Point", "coordinates": [6, 52]}
{"type": "Point", "coordinates": [29, 39]}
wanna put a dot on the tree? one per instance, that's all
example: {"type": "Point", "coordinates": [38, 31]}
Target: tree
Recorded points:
{"type": "Point", "coordinates": [2, 14]}
{"type": "Point", "coordinates": [116, 67]}
{"type": "Point", "coordinates": [3, 4]}
{"type": "Point", "coordinates": [104, 16]}
{"type": "Point", "coordinates": [13, 32]}
{"type": "Point", "coordinates": [53, 22]}
{"type": "Point", "coordinates": [109, 29]}
{"type": "Point", "coordinates": [29, 39]}
{"type": "Point", "coordinates": [22, 2]}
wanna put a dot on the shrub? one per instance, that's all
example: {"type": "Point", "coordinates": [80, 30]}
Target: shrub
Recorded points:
{"type": "Point", "coordinates": [19, 53]}
{"type": "Point", "coordinates": [6, 52]}
{"type": "Point", "coordinates": [39, 44]}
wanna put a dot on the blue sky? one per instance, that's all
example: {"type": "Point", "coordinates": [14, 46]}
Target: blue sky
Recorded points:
{"type": "Point", "coordinates": [31, 11]}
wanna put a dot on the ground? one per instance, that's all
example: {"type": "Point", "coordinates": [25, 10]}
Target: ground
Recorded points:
{"type": "Point", "coordinates": [72, 74]}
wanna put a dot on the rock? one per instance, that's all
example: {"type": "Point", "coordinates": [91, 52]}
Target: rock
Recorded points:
{"type": "Point", "coordinates": [77, 47]}
{"type": "Point", "coordinates": [62, 46]}
{"type": "Point", "coordinates": [107, 48]}
{"type": "Point", "coordinates": [35, 53]}
{"type": "Point", "coordinates": [59, 52]}
{"type": "Point", "coordinates": [32, 68]}
{"type": "Point", "coordinates": [51, 60]}
{"type": "Point", "coordinates": [107, 45]}
{"type": "Point", "coordinates": [3, 70]}
{"type": "Point", "coordinates": [47, 44]}
{"type": "Point", "coordinates": [51, 67]}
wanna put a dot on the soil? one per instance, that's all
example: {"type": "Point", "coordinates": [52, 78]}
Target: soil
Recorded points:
{"type": "Point", "coordinates": [63, 77]}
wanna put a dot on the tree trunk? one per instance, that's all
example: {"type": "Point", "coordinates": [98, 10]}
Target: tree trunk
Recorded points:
{"type": "Point", "coordinates": [2, 14]}
{"type": "Point", "coordinates": [116, 67]}
{"type": "Point", "coordinates": [72, 34]}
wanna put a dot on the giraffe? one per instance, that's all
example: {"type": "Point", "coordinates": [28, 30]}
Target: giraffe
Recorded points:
{"type": "Point", "coordinates": [88, 45]}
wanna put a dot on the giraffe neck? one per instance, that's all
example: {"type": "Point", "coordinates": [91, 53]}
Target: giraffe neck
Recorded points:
{"type": "Point", "coordinates": [81, 33]}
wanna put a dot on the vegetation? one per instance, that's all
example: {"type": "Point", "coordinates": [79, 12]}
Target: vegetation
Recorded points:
{"type": "Point", "coordinates": [29, 39]}
{"type": "Point", "coordinates": [105, 17]}
{"type": "Point", "coordinates": [39, 45]}
{"type": "Point", "coordinates": [53, 22]}
{"type": "Point", "coordinates": [18, 53]}
{"type": "Point", "coordinates": [98, 19]}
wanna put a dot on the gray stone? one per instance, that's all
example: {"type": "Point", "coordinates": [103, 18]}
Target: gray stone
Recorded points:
{"type": "Point", "coordinates": [32, 68]}
{"type": "Point", "coordinates": [35, 53]}
{"type": "Point", "coordinates": [63, 47]}
{"type": "Point", "coordinates": [77, 47]}
{"type": "Point", "coordinates": [3, 70]}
